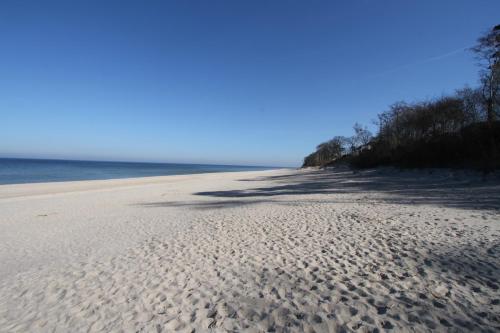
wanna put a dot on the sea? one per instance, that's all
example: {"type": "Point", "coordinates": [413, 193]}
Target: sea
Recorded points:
{"type": "Point", "coordinates": [21, 171]}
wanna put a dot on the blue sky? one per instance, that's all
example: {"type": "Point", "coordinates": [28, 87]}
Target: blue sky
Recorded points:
{"type": "Point", "coordinates": [237, 82]}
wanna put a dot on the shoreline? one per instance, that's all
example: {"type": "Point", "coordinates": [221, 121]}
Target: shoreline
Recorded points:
{"type": "Point", "coordinates": [28, 171]}
{"type": "Point", "coordinates": [8, 191]}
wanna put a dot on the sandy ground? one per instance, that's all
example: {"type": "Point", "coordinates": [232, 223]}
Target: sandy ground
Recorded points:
{"type": "Point", "coordinates": [271, 251]}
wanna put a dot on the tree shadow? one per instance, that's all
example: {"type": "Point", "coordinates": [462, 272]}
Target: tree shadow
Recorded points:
{"type": "Point", "coordinates": [434, 187]}
{"type": "Point", "coordinates": [202, 205]}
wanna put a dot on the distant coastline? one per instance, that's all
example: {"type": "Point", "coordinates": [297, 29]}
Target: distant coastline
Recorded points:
{"type": "Point", "coordinates": [25, 170]}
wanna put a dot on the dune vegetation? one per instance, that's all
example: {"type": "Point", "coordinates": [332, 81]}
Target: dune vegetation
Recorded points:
{"type": "Point", "coordinates": [458, 130]}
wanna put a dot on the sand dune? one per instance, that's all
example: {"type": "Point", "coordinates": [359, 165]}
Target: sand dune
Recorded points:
{"type": "Point", "coordinates": [270, 251]}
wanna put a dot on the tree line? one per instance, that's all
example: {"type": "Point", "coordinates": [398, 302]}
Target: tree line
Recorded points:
{"type": "Point", "coordinates": [455, 130]}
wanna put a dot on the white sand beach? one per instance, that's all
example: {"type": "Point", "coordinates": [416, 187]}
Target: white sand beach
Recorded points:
{"type": "Point", "coordinates": [264, 251]}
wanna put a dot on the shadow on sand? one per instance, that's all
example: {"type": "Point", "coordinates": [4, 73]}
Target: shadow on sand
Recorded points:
{"type": "Point", "coordinates": [435, 187]}
{"type": "Point", "coordinates": [458, 189]}
{"type": "Point", "coordinates": [202, 205]}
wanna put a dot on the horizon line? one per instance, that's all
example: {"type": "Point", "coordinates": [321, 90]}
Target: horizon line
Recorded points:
{"type": "Point", "coordinates": [143, 162]}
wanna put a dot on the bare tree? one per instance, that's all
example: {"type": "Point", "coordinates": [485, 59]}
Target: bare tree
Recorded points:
{"type": "Point", "coordinates": [488, 54]}
{"type": "Point", "coordinates": [472, 104]}
{"type": "Point", "coordinates": [362, 136]}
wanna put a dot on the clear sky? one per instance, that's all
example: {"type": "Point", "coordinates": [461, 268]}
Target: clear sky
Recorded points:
{"type": "Point", "coordinates": [238, 82]}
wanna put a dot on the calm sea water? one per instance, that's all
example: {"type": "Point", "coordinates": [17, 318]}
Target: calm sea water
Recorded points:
{"type": "Point", "coordinates": [17, 171]}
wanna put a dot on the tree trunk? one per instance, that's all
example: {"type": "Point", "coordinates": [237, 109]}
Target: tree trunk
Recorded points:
{"type": "Point", "coordinates": [490, 114]}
